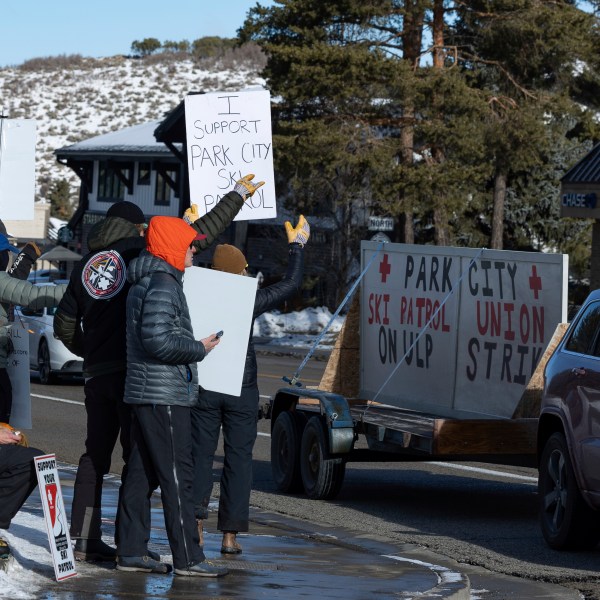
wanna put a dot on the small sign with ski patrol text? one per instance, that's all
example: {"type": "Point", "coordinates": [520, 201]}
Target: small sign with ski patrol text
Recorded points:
{"type": "Point", "coordinates": [456, 332]}
{"type": "Point", "coordinates": [55, 516]}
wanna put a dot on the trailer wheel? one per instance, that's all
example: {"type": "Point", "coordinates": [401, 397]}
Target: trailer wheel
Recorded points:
{"type": "Point", "coordinates": [567, 522]}
{"type": "Point", "coordinates": [285, 451]}
{"type": "Point", "coordinates": [322, 476]}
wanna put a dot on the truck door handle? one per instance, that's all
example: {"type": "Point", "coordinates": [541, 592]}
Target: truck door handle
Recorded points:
{"type": "Point", "coordinates": [578, 371]}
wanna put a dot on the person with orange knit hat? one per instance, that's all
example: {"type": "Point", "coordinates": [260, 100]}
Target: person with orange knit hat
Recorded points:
{"type": "Point", "coordinates": [237, 415]}
{"type": "Point", "coordinates": [161, 386]}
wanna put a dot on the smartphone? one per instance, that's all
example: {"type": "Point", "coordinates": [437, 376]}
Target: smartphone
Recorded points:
{"type": "Point", "coordinates": [218, 335]}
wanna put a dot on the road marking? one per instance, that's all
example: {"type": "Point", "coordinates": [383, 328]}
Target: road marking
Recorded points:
{"type": "Point", "coordinates": [485, 471]}
{"type": "Point", "coordinates": [448, 465]}
{"type": "Point", "coordinates": [64, 400]}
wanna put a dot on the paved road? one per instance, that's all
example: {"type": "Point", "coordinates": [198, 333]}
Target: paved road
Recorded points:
{"type": "Point", "coordinates": [483, 516]}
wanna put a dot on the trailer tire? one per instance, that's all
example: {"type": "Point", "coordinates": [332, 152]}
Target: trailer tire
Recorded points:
{"type": "Point", "coordinates": [566, 520]}
{"type": "Point", "coordinates": [285, 451]}
{"type": "Point", "coordinates": [322, 476]}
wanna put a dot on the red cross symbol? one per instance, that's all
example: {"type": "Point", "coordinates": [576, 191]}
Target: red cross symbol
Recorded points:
{"type": "Point", "coordinates": [535, 282]}
{"type": "Point", "coordinates": [384, 268]}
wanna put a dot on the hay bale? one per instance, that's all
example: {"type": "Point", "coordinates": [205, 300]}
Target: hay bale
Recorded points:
{"type": "Point", "coordinates": [530, 402]}
{"type": "Point", "coordinates": [342, 373]}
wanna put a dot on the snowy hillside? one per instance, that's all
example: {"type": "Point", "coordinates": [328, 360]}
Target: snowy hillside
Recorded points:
{"type": "Point", "coordinates": [77, 98]}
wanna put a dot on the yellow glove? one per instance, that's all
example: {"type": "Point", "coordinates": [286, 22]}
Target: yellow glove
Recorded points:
{"type": "Point", "coordinates": [298, 234]}
{"type": "Point", "coordinates": [191, 215]}
{"type": "Point", "coordinates": [245, 187]}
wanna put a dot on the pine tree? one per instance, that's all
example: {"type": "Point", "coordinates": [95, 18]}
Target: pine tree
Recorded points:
{"type": "Point", "coordinates": [522, 55]}
{"type": "Point", "coordinates": [59, 195]}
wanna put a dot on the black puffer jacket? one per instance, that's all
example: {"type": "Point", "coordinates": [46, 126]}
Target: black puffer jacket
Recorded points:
{"type": "Point", "coordinates": [161, 350]}
{"type": "Point", "coordinates": [271, 297]}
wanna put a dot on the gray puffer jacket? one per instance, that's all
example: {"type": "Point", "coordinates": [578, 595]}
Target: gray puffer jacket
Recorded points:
{"type": "Point", "coordinates": [161, 350]}
{"type": "Point", "coordinates": [22, 293]}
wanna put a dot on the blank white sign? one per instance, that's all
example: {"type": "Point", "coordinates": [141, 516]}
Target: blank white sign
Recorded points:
{"type": "Point", "coordinates": [216, 301]}
{"type": "Point", "coordinates": [17, 169]}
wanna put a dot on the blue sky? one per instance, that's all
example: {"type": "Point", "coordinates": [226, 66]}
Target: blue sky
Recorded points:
{"type": "Point", "coordinates": [34, 28]}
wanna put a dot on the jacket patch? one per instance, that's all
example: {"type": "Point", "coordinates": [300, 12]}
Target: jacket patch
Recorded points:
{"type": "Point", "coordinates": [104, 275]}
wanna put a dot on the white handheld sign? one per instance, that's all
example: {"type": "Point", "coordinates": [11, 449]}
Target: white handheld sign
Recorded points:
{"type": "Point", "coordinates": [228, 137]}
{"type": "Point", "coordinates": [17, 168]}
{"type": "Point", "coordinates": [221, 301]}
{"type": "Point", "coordinates": [55, 517]}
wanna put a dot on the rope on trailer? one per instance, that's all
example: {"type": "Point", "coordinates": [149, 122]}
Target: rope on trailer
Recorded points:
{"type": "Point", "coordinates": [433, 316]}
{"type": "Point", "coordinates": [294, 379]}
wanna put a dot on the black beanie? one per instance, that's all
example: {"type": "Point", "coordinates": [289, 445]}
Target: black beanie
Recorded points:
{"type": "Point", "coordinates": [128, 211]}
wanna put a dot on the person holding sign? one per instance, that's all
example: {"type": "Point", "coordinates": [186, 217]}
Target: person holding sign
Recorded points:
{"type": "Point", "coordinates": [90, 321]}
{"type": "Point", "coordinates": [161, 387]}
{"type": "Point", "coordinates": [17, 477]}
{"type": "Point", "coordinates": [237, 415]}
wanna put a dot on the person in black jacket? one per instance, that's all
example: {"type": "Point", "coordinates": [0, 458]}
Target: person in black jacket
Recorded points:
{"type": "Point", "coordinates": [90, 321]}
{"type": "Point", "coordinates": [237, 415]}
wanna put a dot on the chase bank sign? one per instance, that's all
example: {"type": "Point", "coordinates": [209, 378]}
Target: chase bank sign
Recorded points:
{"type": "Point", "coordinates": [572, 200]}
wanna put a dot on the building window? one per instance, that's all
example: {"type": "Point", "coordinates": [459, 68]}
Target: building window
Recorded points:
{"type": "Point", "coordinates": [144, 169]}
{"type": "Point", "coordinates": [110, 187]}
{"type": "Point", "coordinates": [166, 180]}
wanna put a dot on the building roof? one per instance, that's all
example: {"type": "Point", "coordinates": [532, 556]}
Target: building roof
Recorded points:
{"type": "Point", "coordinates": [131, 141]}
{"type": "Point", "coordinates": [587, 170]}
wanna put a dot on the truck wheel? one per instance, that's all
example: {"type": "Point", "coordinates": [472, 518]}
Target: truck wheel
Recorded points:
{"type": "Point", "coordinates": [566, 520]}
{"type": "Point", "coordinates": [322, 476]}
{"type": "Point", "coordinates": [285, 451]}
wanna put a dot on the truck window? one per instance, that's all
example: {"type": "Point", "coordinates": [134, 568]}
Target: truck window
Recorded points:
{"type": "Point", "coordinates": [583, 339]}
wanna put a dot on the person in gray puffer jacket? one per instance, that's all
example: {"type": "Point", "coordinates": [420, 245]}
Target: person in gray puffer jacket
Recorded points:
{"type": "Point", "coordinates": [161, 386]}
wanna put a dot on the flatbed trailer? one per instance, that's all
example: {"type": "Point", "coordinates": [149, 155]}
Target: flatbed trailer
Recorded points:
{"type": "Point", "coordinates": [446, 407]}
{"type": "Point", "coordinates": [314, 434]}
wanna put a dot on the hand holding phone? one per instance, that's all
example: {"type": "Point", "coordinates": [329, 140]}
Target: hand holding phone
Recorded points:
{"type": "Point", "coordinates": [218, 335]}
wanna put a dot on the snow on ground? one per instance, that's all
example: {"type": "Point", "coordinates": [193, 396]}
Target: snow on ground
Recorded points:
{"type": "Point", "coordinates": [299, 329]}
{"type": "Point", "coordinates": [31, 569]}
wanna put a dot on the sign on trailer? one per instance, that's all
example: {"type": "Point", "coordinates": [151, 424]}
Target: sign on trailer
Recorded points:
{"type": "Point", "coordinates": [456, 332]}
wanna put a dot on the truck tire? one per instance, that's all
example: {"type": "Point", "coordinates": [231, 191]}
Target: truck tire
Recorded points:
{"type": "Point", "coordinates": [566, 520]}
{"type": "Point", "coordinates": [322, 476]}
{"type": "Point", "coordinates": [285, 451]}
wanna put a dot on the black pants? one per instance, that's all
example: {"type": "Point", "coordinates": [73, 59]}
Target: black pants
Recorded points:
{"type": "Point", "coordinates": [107, 414]}
{"type": "Point", "coordinates": [17, 479]}
{"type": "Point", "coordinates": [5, 396]}
{"type": "Point", "coordinates": [238, 415]}
{"type": "Point", "coordinates": [161, 454]}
